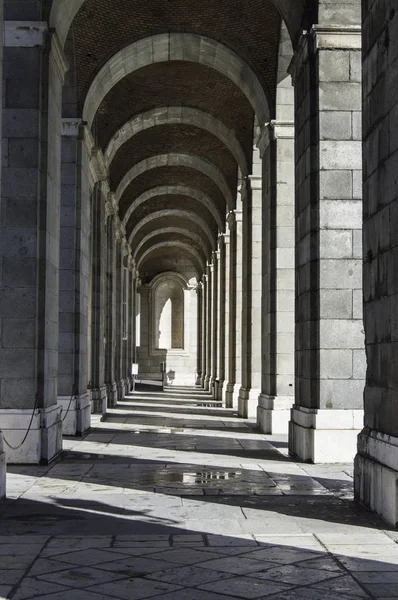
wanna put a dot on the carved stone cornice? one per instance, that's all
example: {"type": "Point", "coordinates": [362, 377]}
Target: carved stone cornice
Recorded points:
{"type": "Point", "coordinates": [275, 130]}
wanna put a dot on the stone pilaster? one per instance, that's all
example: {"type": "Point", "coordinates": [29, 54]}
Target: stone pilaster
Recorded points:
{"type": "Point", "coordinates": [110, 319]}
{"type": "Point", "coordinates": [130, 342]}
{"type": "Point", "coordinates": [223, 246]}
{"type": "Point", "coordinates": [235, 309]}
{"type": "Point", "coordinates": [73, 375]}
{"type": "Point", "coordinates": [215, 311]}
{"type": "Point", "coordinates": [330, 355]}
{"type": "Point", "coordinates": [119, 275]}
{"type": "Point", "coordinates": [30, 225]}
{"type": "Point", "coordinates": [144, 347]}
{"type": "Point", "coordinates": [209, 327]}
{"type": "Point", "coordinates": [204, 332]}
{"type": "Point", "coordinates": [2, 452]}
{"type": "Point", "coordinates": [277, 391]}
{"type": "Point", "coordinates": [199, 356]}
{"type": "Point", "coordinates": [376, 464]}
{"type": "Point", "coordinates": [99, 216]}
{"type": "Point", "coordinates": [251, 292]}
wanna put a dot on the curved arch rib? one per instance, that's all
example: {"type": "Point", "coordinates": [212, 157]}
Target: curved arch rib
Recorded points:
{"type": "Point", "coordinates": [193, 236]}
{"type": "Point", "coordinates": [166, 47]}
{"type": "Point", "coordinates": [175, 190]}
{"type": "Point", "coordinates": [181, 115]}
{"type": "Point", "coordinates": [177, 160]}
{"type": "Point", "coordinates": [188, 249]}
{"type": "Point", "coordinates": [182, 214]}
{"type": "Point", "coordinates": [63, 13]}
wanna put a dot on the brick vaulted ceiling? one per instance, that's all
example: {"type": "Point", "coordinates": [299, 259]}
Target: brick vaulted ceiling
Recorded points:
{"type": "Point", "coordinates": [101, 28]}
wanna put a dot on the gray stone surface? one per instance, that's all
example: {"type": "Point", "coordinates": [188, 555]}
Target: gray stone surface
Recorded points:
{"type": "Point", "coordinates": [169, 498]}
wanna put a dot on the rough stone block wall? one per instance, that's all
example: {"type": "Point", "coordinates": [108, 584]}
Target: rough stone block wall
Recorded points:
{"type": "Point", "coordinates": [380, 100]}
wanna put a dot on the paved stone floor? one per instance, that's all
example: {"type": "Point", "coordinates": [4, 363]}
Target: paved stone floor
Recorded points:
{"type": "Point", "coordinates": [174, 498]}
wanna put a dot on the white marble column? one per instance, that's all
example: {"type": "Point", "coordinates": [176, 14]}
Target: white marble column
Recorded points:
{"type": "Point", "coordinates": [215, 310]}
{"type": "Point", "coordinates": [204, 331]}
{"type": "Point", "coordinates": [29, 261]}
{"type": "Point", "coordinates": [110, 306]}
{"type": "Point", "coordinates": [209, 327]}
{"type": "Point", "coordinates": [223, 245]}
{"type": "Point", "coordinates": [74, 275]}
{"type": "Point", "coordinates": [199, 357]}
{"type": "Point", "coordinates": [2, 452]}
{"type": "Point", "coordinates": [100, 210]}
{"type": "Point", "coordinates": [277, 396]}
{"type": "Point", "coordinates": [251, 292]}
{"type": "Point", "coordinates": [330, 358]}
{"type": "Point", "coordinates": [235, 308]}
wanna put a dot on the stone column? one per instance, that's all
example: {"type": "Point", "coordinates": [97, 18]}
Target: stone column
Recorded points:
{"type": "Point", "coordinates": [73, 376]}
{"type": "Point", "coordinates": [251, 292]}
{"type": "Point", "coordinates": [121, 248]}
{"type": "Point", "coordinates": [215, 311]}
{"type": "Point", "coordinates": [376, 464]}
{"type": "Point", "coordinates": [143, 350]}
{"type": "Point", "coordinates": [130, 342]}
{"type": "Point", "coordinates": [199, 369]}
{"type": "Point", "coordinates": [99, 214]}
{"type": "Point", "coordinates": [277, 395]}
{"type": "Point", "coordinates": [2, 452]}
{"type": "Point", "coordinates": [204, 332]}
{"type": "Point", "coordinates": [30, 225]}
{"type": "Point", "coordinates": [235, 309]}
{"type": "Point", "coordinates": [330, 355]}
{"type": "Point", "coordinates": [209, 327]}
{"type": "Point", "coordinates": [110, 318]}
{"type": "Point", "coordinates": [222, 315]}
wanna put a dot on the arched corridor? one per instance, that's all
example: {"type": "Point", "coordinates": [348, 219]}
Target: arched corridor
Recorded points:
{"type": "Point", "coordinates": [203, 193]}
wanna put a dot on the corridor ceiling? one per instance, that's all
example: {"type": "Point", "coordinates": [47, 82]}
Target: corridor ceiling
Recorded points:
{"type": "Point", "coordinates": [171, 90]}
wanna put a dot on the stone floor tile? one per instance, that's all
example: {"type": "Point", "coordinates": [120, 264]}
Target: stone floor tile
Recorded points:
{"type": "Point", "coordinates": [342, 585]}
{"type": "Point", "coordinates": [184, 556]}
{"type": "Point", "coordinates": [189, 576]}
{"type": "Point", "coordinates": [80, 577]}
{"type": "Point", "coordinates": [5, 591]}
{"type": "Point", "coordinates": [296, 575]}
{"type": "Point", "coordinates": [134, 566]}
{"type": "Point", "coordinates": [245, 587]}
{"type": "Point", "coordinates": [281, 555]}
{"type": "Point", "coordinates": [134, 589]}
{"type": "Point", "coordinates": [89, 557]}
{"type": "Point", "coordinates": [10, 576]}
{"type": "Point", "coordinates": [239, 565]}
{"type": "Point", "coordinates": [32, 588]}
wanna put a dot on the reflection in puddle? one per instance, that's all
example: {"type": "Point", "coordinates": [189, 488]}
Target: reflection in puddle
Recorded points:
{"type": "Point", "coordinates": [206, 476]}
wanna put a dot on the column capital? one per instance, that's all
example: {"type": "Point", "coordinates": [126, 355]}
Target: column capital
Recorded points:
{"type": "Point", "coordinates": [275, 130]}
{"type": "Point", "coordinates": [110, 205]}
{"type": "Point", "coordinates": [332, 37]}
{"type": "Point", "coordinates": [25, 34]}
{"type": "Point", "coordinates": [234, 216]}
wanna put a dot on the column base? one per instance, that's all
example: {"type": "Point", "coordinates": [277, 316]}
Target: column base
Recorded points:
{"type": "Point", "coordinates": [273, 413]}
{"type": "Point", "coordinates": [376, 474]}
{"type": "Point", "coordinates": [206, 384]}
{"type": "Point", "coordinates": [44, 440]}
{"type": "Point", "coordinates": [111, 393]}
{"type": "Point", "coordinates": [198, 380]}
{"type": "Point", "coordinates": [214, 388]}
{"type": "Point", "coordinates": [2, 470]}
{"type": "Point", "coordinates": [121, 390]}
{"type": "Point", "coordinates": [247, 403]}
{"type": "Point", "coordinates": [232, 395]}
{"type": "Point", "coordinates": [324, 436]}
{"type": "Point", "coordinates": [220, 390]}
{"type": "Point", "coordinates": [77, 419]}
{"type": "Point", "coordinates": [98, 398]}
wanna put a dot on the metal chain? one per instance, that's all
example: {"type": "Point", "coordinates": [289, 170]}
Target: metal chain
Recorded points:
{"type": "Point", "coordinates": [73, 397]}
{"type": "Point", "coordinates": [28, 430]}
